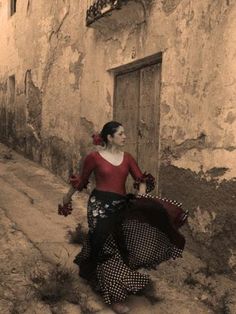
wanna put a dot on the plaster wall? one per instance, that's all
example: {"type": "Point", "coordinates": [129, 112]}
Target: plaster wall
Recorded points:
{"type": "Point", "coordinates": [65, 92]}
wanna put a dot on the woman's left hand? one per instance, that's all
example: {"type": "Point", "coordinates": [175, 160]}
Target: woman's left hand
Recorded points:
{"type": "Point", "coordinates": [142, 188]}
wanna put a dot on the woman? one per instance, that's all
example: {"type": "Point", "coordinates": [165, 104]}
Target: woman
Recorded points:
{"type": "Point", "coordinates": [126, 232]}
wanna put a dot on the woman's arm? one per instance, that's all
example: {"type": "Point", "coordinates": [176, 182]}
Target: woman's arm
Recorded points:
{"type": "Point", "coordinates": [79, 182]}
{"type": "Point", "coordinates": [137, 174]}
{"type": "Point", "coordinates": [67, 197]}
{"type": "Point", "coordinates": [144, 182]}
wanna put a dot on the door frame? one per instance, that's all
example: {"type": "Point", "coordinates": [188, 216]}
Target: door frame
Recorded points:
{"type": "Point", "coordinates": [135, 65]}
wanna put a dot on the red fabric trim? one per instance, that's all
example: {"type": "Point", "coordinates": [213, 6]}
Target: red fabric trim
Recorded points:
{"type": "Point", "coordinates": [148, 179]}
{"type": "Point", "coordinates": [177, 215]}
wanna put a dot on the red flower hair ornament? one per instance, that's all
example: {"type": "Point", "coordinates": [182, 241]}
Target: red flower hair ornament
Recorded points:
{"type": "Point", "coordinates": [97, 139]}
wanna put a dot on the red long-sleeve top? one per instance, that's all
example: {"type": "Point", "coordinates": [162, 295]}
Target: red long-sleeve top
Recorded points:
{"type": "Point", "coordinates": [108, 177]}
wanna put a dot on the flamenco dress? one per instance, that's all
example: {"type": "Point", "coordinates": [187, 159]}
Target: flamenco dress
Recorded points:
{"type": "Point", "coordinates": [125, 232]}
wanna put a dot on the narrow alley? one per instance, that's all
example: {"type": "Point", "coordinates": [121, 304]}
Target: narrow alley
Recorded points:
{"type": "Point", "coordinates": [37, 272]}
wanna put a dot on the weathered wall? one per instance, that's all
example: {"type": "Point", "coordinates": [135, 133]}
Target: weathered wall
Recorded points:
{"type": "Point", "coordinates": [64, 93]}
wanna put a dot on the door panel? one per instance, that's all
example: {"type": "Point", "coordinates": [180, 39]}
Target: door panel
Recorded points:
{"type": "Point", "coordinates": [126, 111]}
{"type": "Point", "coordinates": [126, 108]}
{"type": "Point", "coordinates": [137, 107]}
{"type": "Point", "coordinates": [149, 118]}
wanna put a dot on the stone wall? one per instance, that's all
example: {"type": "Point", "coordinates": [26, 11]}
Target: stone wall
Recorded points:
{"type": "Point", "coordinates": [64, 92]}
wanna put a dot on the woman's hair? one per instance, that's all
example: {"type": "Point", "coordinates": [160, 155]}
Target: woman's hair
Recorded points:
{"type": "Point", "coordinates": [109, 128]}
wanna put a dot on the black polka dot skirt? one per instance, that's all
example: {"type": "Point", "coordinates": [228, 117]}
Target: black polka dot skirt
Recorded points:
{"type": "Point", "coordinates": [118, 244]}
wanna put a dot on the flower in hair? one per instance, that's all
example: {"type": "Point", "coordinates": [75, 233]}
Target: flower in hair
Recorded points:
{"type": "Point", "coordinates": [97, 139]}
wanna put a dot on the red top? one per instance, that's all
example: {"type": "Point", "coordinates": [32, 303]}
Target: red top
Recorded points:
{"type": "Point", "coordinates": [108, 177]}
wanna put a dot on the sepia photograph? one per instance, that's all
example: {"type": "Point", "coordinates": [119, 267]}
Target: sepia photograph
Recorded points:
{"type": "Point", "coordinates": [118, 156]}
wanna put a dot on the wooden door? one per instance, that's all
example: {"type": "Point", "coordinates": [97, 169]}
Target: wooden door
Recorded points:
{"type": "Point", "coordinates": [136, 106]}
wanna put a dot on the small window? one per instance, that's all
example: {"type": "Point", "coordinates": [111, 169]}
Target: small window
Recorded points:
{"type": "Point", "coordinates": [12, 7]}
{"type": "Point", "coordinates": [11, 89]}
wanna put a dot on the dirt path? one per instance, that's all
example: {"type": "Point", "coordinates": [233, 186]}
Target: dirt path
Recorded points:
{"type": "Point", "coordinates": [37, 274]}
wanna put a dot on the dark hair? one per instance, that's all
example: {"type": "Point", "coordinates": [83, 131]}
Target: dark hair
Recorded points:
{"type": "Point", "coordinates": [109, 128]}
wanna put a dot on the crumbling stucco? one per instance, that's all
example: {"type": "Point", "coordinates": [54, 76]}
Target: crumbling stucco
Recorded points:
{"type": "Point", "coordinates": [170, 5]}
{"type": "Point", "coordinates": [77, 69]}
{"type": "Point", "coordinates": [33, 106]}
{"type": "Point", "coordinates": [212, 211]}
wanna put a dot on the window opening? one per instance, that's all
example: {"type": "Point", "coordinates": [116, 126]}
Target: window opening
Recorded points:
{"type": "Point", "coordinates": [11, 89]}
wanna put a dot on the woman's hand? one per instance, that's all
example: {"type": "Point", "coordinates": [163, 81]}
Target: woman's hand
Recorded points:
{"type": "Point", "coordinates": [67, 197]}
{"type": "Point", "coordinates": [66, 208]}
{"type": "Point", "coordinates": [142, 188]}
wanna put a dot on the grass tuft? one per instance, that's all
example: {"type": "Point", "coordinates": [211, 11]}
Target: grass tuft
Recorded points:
{"type": "Point", "coordinates": [76, 236]}
{"type": "Point", "coordinates": [190, 281]}
{"type": "Point", "coordinates": [57, 285]}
